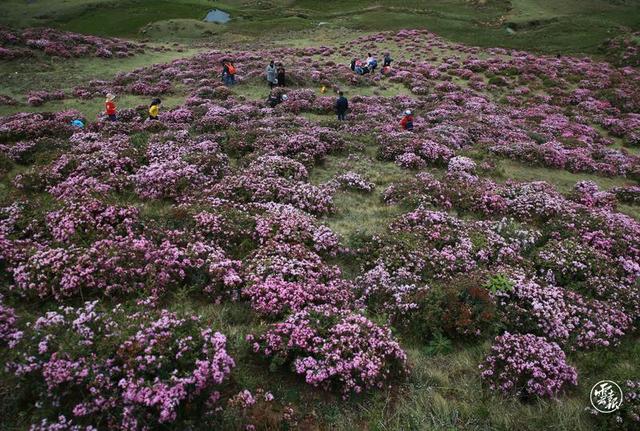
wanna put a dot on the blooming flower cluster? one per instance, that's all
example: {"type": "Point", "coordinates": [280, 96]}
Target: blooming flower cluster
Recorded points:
{"type": "Point", "coordinates": [527, 366]}
{"type": "Point", "coordinates": [9, 333]}
{"type": "Point", "coordinates": [157, 362]}
{"type": "Point", "coordinates": [218, 200]}
{"type": "Point", "coordinates": [37, 98]}
{"type": "Point", "coordinates": [56, 43]}
{"type": "Point", "coordinates": [354, 181]}
{"type": "Point", "coordinates": [333, 348]}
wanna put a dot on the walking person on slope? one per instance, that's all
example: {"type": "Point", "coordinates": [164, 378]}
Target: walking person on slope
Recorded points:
{"type": "Point", "coordinates": [342, 104]}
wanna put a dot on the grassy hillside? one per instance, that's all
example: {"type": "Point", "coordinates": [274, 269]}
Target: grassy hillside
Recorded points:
{"type": "Point", "coordinates": [444, 390]}
{"type": "Point", "coordinates": [543, 25]}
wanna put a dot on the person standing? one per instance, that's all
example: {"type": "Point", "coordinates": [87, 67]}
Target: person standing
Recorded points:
{"type": "Point", "coordinates": [110, 107]}
{"type": "Point", "coordinates": [407, 120]}
{"type": "Point", "coordinates": [154, 109]}
{"type": "Point", "coordinates": [228, 73]}
{"type": "Point", "coordinates": [342, 104]}
{"type": "Point", "coordinates": [280, 75]}
{"type": "Point", "coordinates": [272, 74]}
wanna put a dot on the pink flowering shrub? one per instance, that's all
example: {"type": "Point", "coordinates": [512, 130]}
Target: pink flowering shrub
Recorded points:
{"type": "Point", "coordinates": [37, 98]}
{"type": "Point", "coordinates": [275, 297]}
{"type": "Point", "coordinates": [120, 265]}
{"type": "Point", "coordinates": [587, 193]}
{"type": "Point", "coordinates": [461, 164]}
{"type": "Point", "coordinates": [284, 223]}
{"type": "Point", "coordinates": [410, 161]}
{"type": "Point", "coordinates": [527, 366]}
{"type": "Point", "coordinates": [395, 295]}
{"type": "Point", "coordinates": [10, 335]}
{"type": "Point", "coordinates": [135, 370]}
{"type": "Point", "coordinates": [35, 125]}
{"type": "Point", "coordinates": [91, 219]}
{"type": "Point", "coordinates": [562, 315]}
{"type": "Point", "coordinates": [354, 181]}
{"type": "Point", "coordinates": [628, 194]}
{"type": "Point", "coordinates": [167, 179]}
{"type": "Point", "coordinates": [248, 187]}
{"type": "Point", "coordinates": [295, 263]}
{"type": "Point", "coordinates": [333, 349]}
{"type": "Point", "coordinates": [57, 43]}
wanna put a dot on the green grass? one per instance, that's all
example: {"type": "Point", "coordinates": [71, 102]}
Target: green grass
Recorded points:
{"type": "Point", "coordinates": [571, 26]}
{"type": "Point", "coordinates": [92, 107]}
{"type": "Point", "coordinates": [360, 213]}
{"type": "Point", "coordinates": [99, 17]}
{"type": "Point", "coordinates": [562, 179]}
{"type": "Point", "coordinates": [443, 391]}
{"type": "Point", "coordinates": [127, 18]}
{"type": "Point", "coordinates": [19, 78]}
{"type": "Point", "coordinates": [42, 73]}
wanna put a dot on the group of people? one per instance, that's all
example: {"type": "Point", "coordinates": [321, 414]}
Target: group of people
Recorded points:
{"type": "Point", "coordinates": [111, 112]}
{"type": "Point", "coordinates": [275, 75]}
{"type": "Point", "coordinates": [342, 106]}
{"type": "Point", "coordinates": [371, 64]}
{"type": "Point", "coordinates": [275, 78]}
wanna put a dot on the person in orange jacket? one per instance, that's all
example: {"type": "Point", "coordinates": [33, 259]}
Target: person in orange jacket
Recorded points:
{"type": "Point", "coordinates": [110, 107]}
{"type": "Point", "coordinates": [228, 73]}
{"type": "Point", "coordinates": [407, 120]}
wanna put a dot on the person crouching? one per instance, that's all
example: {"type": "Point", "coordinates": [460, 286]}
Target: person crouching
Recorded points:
{"type": "Point", "coordinates": [407, 120]}
{"type": "Point", "coordinates": [154, 109]}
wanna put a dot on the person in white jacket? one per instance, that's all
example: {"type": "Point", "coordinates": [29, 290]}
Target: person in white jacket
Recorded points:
{"type": "Point", "coordinates": [272, 74]}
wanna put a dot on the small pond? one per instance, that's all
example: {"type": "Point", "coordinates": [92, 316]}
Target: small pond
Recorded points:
{"type": "Point", "coordinates": [217, 16]}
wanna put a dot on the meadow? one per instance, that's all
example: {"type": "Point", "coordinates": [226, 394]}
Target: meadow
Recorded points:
{"type": "Point", "coordinates": [237, 266]}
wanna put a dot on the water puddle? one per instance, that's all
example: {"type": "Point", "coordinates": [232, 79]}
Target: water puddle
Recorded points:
{"type": "Point", "coordinates": [218, 16]}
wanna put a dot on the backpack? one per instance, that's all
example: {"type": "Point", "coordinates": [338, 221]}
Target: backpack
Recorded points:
{"type": "Point", "coordinates": [231, 68]}
{"type": "Point", "coordinates": [374, 63]}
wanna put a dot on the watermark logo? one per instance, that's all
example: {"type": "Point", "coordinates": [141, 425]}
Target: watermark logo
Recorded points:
{"type": "Point", "coordinates": [606, 396]}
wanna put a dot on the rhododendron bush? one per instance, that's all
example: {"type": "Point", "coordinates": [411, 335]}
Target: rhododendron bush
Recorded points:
{"type": "Point", "coordinates": [527, 365]}
{"type": "Point", "coordinates": [338, 256]}
{"type": "Point", "coordinates": [150, 365]}
{"type": "Point", "coordinates": [333, 348]}
{"type": "Point", "coordinates": [55, 43]}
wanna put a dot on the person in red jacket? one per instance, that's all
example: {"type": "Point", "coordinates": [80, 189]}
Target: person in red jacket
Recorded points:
{"type": "Point", "coordinates": [407, 120]}
{"type": "Point", "coordinates": [110, 107]}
